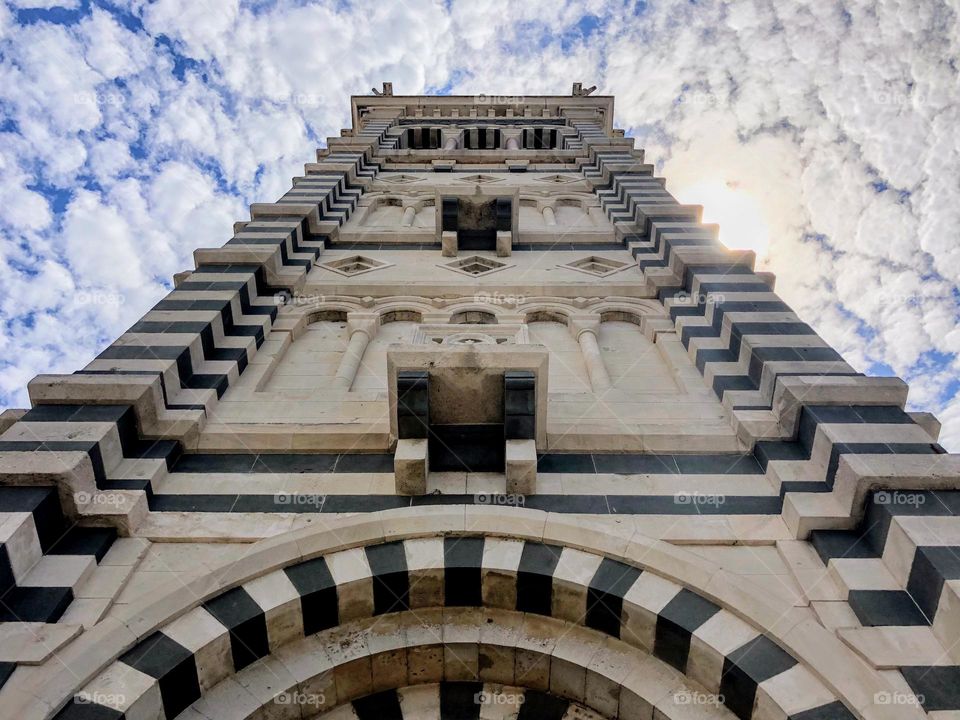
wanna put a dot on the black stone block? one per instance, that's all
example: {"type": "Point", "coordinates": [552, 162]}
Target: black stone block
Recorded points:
{"type": "Point", "coordinates": [605, 595]}
{"type": "Point", "coordinates": [458, 700]}
{"type": "Point", "coordinates": [172, 665]}
{"type": "Point", "coordinates": [35, 604]}
{"type": "Point", "coordinates": [383, 705]}
{"type": "Point", "coordinates": [462, 559]}
{"type": "Point", "coordinates": [539, 705]}
{"type": "Point", "coordinates": [939, 686]}
{"type": "Point", "coordinates": [247, 623]}
{"type": "Point", "coordinates": [391, 583]}
{"type": "Point", "coordinates": [318, 594]}
{"type": "Point", "coordinates": [679, 618]}
{"type": "Point", "coordinates": [535, 577]}
{"type": "Point", "coordinates": [831, 711]}
{"type": "Point", "coordinates": [74, 710]}
{"type": "Point", "coordinates": [450, 209]}
{"type": "Point", "coordinates": [85, 541]}
{"type": "Point", "coordinates": [748, 666]}
{"type": "Point", "coordinates": [885, 607]}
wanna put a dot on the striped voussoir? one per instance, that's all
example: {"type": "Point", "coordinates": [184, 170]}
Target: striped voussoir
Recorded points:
{"type": "Point", "coordinates": [596, 612]}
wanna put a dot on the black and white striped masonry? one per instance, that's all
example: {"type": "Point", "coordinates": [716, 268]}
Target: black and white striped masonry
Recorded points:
{"type": "Point", "coordinates": [618, 607]}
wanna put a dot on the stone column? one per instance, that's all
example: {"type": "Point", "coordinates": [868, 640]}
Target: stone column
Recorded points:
{"type": "Point", "coordinates": [409, 214]}
{"type": "Point", "coordinates": [362, 330]}
{"type": "Point", "coordinates": [549, 217]}
{"type": "Point", "coordinates": [585, 330]}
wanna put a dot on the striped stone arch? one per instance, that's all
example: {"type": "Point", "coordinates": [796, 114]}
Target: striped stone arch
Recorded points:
{"type": "Point", "coordinates": [486, 600]}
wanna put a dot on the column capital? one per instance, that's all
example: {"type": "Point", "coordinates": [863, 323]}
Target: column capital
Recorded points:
{"type": "Point", "coordinates": [365, 322]}
{"type": "Point", "coordinates": [580, 324]}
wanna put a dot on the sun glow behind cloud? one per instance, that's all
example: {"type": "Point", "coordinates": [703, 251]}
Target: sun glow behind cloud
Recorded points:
{"type": "Point", "coordinates": [742, 221]}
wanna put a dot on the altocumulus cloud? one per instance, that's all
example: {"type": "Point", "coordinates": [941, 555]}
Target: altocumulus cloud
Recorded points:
{"type": "Point", "coordinates": [133, 132]}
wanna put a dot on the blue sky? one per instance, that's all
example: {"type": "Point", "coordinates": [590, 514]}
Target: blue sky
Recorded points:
{"type": "Point", "coordinates": [826, 136]}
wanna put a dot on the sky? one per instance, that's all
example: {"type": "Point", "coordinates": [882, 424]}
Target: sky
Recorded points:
{"type": "Point", "coordinates": [825, 135]}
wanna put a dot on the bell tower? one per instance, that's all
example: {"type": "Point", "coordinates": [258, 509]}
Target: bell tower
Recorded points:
{"type": "Point", "coordinates": [476, 421]}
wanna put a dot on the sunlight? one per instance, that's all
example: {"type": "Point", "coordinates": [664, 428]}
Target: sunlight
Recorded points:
{"type": "Point", "coordinates": [740, 216]}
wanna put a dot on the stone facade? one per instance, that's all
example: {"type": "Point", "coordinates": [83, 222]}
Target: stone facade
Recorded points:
{"type": "Point", "coordinates": [476, 421]}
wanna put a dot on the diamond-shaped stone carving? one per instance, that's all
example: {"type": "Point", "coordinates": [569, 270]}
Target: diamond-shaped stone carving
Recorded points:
{"type": "Point", "coordinates": [557, 179]}
{"type": "Point", "coordinates": [597, 266]}
{"type": "Point", "coordinates": [354, 265]}
{"type": "Point", "coordinates": [398, 179]}
{"type": "Point", "coordinates": [481, 179]}
{"type": "Point", "coordinates": [475, 266]}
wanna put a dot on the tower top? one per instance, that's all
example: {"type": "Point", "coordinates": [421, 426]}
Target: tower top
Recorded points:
{"type": "Point", "coordinates": [385, 105]}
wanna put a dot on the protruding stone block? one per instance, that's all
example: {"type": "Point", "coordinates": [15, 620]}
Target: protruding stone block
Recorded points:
{"type": "Point", "coordinates": [504, 243]}
{"type": "Point", "coordinates": [410, 467]}
{"type": "Point", "coordinates": [521, 466]}
{"type": "Point", "coordinates": [448, 243]}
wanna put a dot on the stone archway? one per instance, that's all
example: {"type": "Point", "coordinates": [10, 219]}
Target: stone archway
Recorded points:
{"type": "Point", "coordinates": [463, 568]}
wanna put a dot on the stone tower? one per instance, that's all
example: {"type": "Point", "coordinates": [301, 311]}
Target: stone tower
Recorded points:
{"type": "Point", "coordinates": [476, 422]}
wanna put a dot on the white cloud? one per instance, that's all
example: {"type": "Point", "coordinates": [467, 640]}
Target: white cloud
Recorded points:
{"type": "Point", "coordinates": [841, 121]}
{"type": "Point", "coordinates": [45, 4]}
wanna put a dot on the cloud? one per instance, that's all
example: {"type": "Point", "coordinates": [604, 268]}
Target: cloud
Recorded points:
{"type": "Point", "coordinates": [129, 136]}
